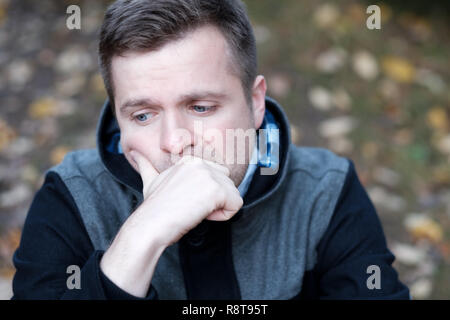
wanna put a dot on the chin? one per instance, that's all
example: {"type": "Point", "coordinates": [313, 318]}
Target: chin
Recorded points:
{"type": "Point", "coordinates": [238, 174]}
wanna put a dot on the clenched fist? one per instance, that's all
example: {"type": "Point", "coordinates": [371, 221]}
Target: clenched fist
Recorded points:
{"type": "Point", "coordinates": [180, 197]}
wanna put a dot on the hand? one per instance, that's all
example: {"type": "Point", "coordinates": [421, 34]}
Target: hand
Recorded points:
{"type": "Point", "coordinates": [175, 201]}
{"type": "Point", "coordinates": [179, 198]}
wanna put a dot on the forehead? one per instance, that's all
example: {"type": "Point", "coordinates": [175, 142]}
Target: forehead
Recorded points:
{"type": "Point", "coordinates": [201, 58]}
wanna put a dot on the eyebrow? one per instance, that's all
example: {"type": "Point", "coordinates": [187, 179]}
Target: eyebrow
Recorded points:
{"type": "Point", "coordinates": [193, 96]}
{"type": "Point", "coordinates": [133, 103]}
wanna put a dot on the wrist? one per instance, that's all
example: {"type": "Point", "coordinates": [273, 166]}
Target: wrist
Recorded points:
{"type": "Point", "coordinates": [131, 259]}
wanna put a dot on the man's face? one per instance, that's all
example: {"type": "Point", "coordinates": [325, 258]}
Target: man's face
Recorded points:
{"type": "Point", "coordinates": [163, 97]}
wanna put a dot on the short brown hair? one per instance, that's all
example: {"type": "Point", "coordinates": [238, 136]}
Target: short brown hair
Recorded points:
{"type": "Point", "coordinates": [139, 25]}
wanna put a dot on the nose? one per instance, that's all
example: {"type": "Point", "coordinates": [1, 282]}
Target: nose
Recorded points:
{"type": "Point", "coordinates": [175, 134]}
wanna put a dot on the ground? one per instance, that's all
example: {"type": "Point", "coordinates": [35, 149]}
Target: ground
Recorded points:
{"type": "Point", "coordinates": [379, 97]}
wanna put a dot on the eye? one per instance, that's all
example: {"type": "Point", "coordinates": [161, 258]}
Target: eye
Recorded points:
{"type": "Point", "coordinates": [202, 109]}
{"type": "Point", "coordinates": [142, 117]}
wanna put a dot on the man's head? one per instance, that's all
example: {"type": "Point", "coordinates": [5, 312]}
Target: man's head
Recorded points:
{"type": "Point", "coordinates": [170, 65]}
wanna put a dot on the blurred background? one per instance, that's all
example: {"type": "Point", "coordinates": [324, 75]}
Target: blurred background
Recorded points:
{"type": "Point", "coordinates": [378, 97]}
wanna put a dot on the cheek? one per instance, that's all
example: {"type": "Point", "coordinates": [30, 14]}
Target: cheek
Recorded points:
{"type": "Point", "coordinates": [138, 140]}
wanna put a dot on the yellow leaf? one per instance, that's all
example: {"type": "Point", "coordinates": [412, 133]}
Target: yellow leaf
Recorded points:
{"type": "Point", "coordinates": [422, 227]}
{"type": "Point", "coordinates": [42, 108]}
{"type": "Point", "coordinates": [7, 135]}
{"type": "Point", "coordinates": [57, 154]}
{"type": "Point", "coordinates": [398, 69]}
{"type": "Point", "coordinates": [437, 119]}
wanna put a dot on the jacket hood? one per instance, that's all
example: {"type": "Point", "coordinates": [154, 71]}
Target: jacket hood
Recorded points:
{"type": "Point", "coordinates": [261, 186]}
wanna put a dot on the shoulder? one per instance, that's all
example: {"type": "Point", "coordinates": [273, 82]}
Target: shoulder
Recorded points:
{"type": "Point", "coordinates": [318, 173]}
{"type": "Point", "coordinates": [80, 163]}
{"type": "Point", "coordinates": [316, 162]}
{"type": "Point", "coordinates": [83, 171]}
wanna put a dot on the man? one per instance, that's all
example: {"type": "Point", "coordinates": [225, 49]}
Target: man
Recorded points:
{"type": "Point", "coordinates": [149, 216]}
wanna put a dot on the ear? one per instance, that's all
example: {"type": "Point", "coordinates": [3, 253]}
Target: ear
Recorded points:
{"type": "Point", "coordinates": [259, 100]}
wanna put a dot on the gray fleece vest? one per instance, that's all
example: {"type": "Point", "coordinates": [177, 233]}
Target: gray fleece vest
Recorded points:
{"type": "Point", "coordinates": [273, 243]}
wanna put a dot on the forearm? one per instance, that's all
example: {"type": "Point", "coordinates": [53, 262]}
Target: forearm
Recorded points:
{"type": "Point", "coordinates": [131, 259]}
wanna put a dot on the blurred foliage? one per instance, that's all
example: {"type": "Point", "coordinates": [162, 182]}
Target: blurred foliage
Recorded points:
{"type": "Point", "coordinates": [378, 97]}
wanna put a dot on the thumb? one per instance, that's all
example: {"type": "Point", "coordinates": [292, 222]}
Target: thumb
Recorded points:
{"type": "Point", "coordinates": [146, 170]}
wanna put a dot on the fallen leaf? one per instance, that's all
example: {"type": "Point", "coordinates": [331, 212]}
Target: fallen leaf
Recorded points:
{"type": "Point", "coordinates": [326, 15]}
{"type": "Point", "coordinates": [71, 85]}
{"type": "Point", "coordinates": [74, 59]}
{"type": "Point", "coordinates": [437, 119]}
{"type": "Point", "coordinates": [331, 60]}
{"type": "Point", "coordinates": [43, 108]}
{"type": "Point", "coordinates": [29, 174]}
{"type": "Point", "coordinates": [19, 147]}
{"type": "Point", "coordinates": [443, 144]}
{"type": "Point", "coordinates": [320, 98]}
{"type": "Point", "coordinates": [408, 254]}
{"type": "Point", "coordinates": [19, 73]}
{"type": "Point", "coordinates": [7, 134]}
{"type": "Point", "coordinates": [338, 126]}
{"type": "Point", "coordinates": [57, 154]}
{"type": "Point", "coordinates": [365, 65]}
{"type": "Point", "coordinates": [389, 89]}
{"type": "Point", "coordinates": [422, 227]}
{"type": "Point", "coordinates": [421, 289]}
{"type": "Point", "coordinates": [15, 196]}
{"type": "Point", "coordinates": [341, 99]}
{"type": "Point", "coordinates": [430, 80]}
{"type": "Point", "coordinates": [386, 200]}
{"type": "Point", "coordinates": [399, 69]}
{"type": "Point", "coordinates": [386, 176]}
{"type": "Point", "coordinates": [340, 145]}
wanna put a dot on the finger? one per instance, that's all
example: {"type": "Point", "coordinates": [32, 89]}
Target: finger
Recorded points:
{"type": "Point", "coordinates": [211, 164]}
{"type": "Point", "coordinates": [146, 170]}
{"type": "Point", "coordinates": [233, 200]}
{"type": "Point", "coordinates": [218, 167]}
